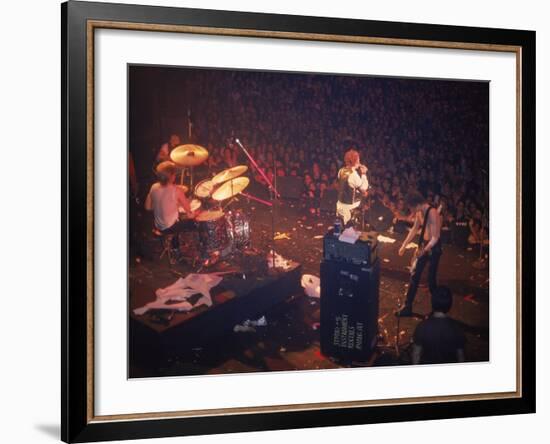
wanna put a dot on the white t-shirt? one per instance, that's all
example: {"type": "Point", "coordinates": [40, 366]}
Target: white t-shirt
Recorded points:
{"type": "Point", "coordinates": [164, 200]}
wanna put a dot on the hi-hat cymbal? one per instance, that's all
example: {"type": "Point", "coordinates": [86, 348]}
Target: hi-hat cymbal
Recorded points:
{"type": "Point", "coordinates": [188, 155]}
{"type": "Point", "coordinates": [230, 188]}
{"type": "Point", "coordinates": [229, 173]}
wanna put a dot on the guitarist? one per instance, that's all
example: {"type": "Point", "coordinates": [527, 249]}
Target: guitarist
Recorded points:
{"type": "Point", "coordinates": [429, 247]}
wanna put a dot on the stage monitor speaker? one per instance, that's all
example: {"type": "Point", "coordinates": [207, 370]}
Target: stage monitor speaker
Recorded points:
{"type": "Point", "coordinates": [328, 201]}
{"type": "Point", "coordinates": [290, 187]}
{"type": "Point", "coordinates": [379, 217]}
{"type": "Point", "coordinates": [446, 235]}
{"type": "Point", "coordinates": [363, 252]}
{"type": "Point", "coordinates": [349, 310]}
{"type": "Point", "coordinates": [460, 231]}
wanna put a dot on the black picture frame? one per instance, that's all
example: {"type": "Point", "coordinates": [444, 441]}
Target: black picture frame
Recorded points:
{"type": "Point", "coordinates": [77, 425]}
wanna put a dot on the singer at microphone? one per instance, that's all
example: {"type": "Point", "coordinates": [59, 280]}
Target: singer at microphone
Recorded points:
{"type": "Point", "coordinates": [352, 182]}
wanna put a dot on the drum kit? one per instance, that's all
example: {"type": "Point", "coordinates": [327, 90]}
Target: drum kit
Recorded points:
{"type": "Point", "coordinates": [221, 230]}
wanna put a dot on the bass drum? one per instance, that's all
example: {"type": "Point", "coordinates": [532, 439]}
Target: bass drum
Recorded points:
{"type": "Point", "coordinates": [213, 232]}
{"type": "Point", "coordinates": [238, 229]}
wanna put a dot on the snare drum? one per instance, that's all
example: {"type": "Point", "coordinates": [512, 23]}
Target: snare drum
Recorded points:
{"type": "Point", "coordinates": [238, 228]}
{"type": "Point", "coordinates": [213, 233]}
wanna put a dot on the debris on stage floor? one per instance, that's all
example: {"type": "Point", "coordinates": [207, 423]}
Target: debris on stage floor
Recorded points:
{"type": "Point", "coordinates": [262, 319]}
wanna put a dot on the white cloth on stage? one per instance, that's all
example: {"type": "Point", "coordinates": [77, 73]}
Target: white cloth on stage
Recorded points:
{"type": "Point", "coordinates": [312, 285]}
{"type": "Point", "coordinates": [349, 235]}
{"type": "Point", "coordinates": [181, 290]}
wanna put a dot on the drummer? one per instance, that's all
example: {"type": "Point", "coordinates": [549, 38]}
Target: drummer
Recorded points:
{"type": "Point", "coordinates": [165, 198]}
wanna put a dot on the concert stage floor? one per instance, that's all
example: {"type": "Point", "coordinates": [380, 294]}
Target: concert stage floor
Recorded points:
{"type": "Point", "coordinates": [290, 340]}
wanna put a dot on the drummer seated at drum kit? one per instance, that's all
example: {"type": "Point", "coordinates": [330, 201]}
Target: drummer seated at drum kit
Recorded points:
{"type": "Point", "coordinates": [165, 199]}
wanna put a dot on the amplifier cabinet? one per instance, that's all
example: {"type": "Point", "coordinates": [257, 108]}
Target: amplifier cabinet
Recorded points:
{"type": "Point", "coordinates": [364, 251]}
{"type": "Point", "coordinates": [349, 309]}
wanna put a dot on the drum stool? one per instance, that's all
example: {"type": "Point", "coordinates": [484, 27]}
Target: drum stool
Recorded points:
{"type": "Point", "coordinates": [166, 244]}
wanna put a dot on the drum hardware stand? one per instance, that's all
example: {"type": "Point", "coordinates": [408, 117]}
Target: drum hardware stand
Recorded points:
{"type": "Point", "coordinates": [191, 174]}
{"type": "Point", "coordinates": [229, 202]}
{"type": "Point", "coordinates": [232, 198]}
{"type": "Point", "coordinates": [273, 193]}
{"type": "Point", "coordinates": [182, 175]}
{"type": "Point", "coordinates": [183, 170]}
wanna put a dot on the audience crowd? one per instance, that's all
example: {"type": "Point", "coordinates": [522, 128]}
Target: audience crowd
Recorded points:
{"type": "Point", "coordinates": [412, 134]}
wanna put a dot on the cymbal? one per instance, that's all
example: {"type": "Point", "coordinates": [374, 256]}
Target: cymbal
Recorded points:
{"type": "Point", "coordinates": [188, 155]}
{"type": "Point", "coordinates": [230, 188]}
{"type": "Point", "coordinates": [195, 205]}
{"type": "Point", "coordinates": [229, 173]}
{"type": "Point", "coordinates": [204, 188]}
{"type": "Point", "coordinates": [184, 188]}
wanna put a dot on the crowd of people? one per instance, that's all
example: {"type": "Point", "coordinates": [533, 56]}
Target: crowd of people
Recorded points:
{"type": "Point", "coordinates": [429, 136]}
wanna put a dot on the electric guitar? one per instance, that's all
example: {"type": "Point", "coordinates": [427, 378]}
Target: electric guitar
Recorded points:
{"type": "Point", "coordinates": [417, 254]}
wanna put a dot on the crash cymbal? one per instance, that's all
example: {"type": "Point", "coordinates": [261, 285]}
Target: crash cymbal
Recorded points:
{"type": "Point", "coordinates": [229, 173]}
{"type": "Point", "coordinates": [188, 155]}
{"type": "Point", "coordinates": [230, 188]}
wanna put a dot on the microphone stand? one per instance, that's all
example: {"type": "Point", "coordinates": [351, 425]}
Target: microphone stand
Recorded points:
{"type": "Point", "coordinates": [258, 168]}
{"type": "Point", "coordinates": [272, 190]}
{"type": "Point", "coordinates": [398, 330]}
{"type": "Point", "coordinates": [273, 193]}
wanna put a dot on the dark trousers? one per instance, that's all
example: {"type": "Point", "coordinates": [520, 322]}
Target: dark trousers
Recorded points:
{"type": "Point", "coordinates": [178, 227]}
{"type": "Point", "coordinates": [433, 259]}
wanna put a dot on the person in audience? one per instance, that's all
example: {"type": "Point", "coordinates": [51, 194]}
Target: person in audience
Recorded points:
{"type": "Point", "coordinates": [163, 153]}
{"type": "Point", "coordinates": [438, 339]}
{"type": "Point", "coordinates": [402, 217]}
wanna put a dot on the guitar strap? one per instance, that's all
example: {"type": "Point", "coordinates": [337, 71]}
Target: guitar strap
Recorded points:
{"type": "Point", "coordinates": [421, 241]}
